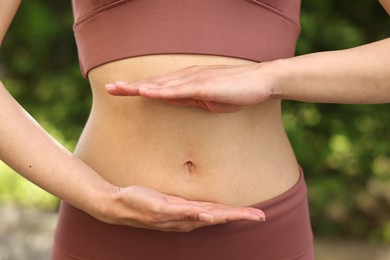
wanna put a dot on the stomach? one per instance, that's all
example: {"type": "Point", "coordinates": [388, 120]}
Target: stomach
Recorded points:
{"type": "Point", "coordinates": [237, 158]}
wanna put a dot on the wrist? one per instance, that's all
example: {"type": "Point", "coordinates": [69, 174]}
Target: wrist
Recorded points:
{"type": "Point", "coordinates": [97, 197]}
{"type": "Point", "coordinates": [273, 75]}
{"type": "Point", "coordinates": [102, 201]}
{"type": "Point", "coordinates": [281, 73]}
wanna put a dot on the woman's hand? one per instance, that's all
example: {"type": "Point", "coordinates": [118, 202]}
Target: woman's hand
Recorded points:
{"type": "Point", "coordinates": [141, 207]}
{"type": "Point", "coordinates": [218, 88]}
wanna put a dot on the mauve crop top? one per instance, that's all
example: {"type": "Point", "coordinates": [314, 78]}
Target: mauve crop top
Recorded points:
{"type": "Point", "coordinates": [109, 30]}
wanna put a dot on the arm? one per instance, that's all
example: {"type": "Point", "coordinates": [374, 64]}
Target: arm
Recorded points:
{"type": "Point", "coordinates": [8, 9]}
{"type": "Point", "coordinates": [28, 149]}
{"type": "Point", "coordinates": [358, 75]}
{"type": "Point", "coordinates": [21, 137]}
{"type": "Point", "coordinates": [33, 153]}
{"type": "Point", "coordinates": [386, 5]}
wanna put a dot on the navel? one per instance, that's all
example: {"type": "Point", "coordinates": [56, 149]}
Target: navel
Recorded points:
{"type": "Point", "coordinates": [189, 167]}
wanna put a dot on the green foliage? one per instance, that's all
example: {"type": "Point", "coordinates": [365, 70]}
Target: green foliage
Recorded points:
{"type": "Point", "coordinates": [344, 149]}
{"type": "Point", "coordinates": [41, 68]}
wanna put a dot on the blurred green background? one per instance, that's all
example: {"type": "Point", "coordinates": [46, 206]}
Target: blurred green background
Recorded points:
{"type": "Point", "coordinates": [343, 149]}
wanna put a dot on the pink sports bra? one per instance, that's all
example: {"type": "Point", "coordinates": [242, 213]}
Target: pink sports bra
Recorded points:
{"type": "Point", "coordinates": [258, 30]}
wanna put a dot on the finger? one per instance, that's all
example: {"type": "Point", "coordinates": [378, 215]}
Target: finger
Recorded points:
{"type": "Point", "coordinates": [212, 213]}
{"type": "Point", "coordinates": [188, 212]}
{"type": "Point", "coordinates": [231, 214]}
{"type": "Point", "coordinates": [122, 89]}
{"type": "Point", "coordinates": [182, 91]}
{"type": "Point", "coordinates": [185, 72]}
{"type": "Point", "coordinates": [217, 209]}
{"type": "Point", "coordinates": [188, 224]}
{"type": "Point", "coordinates": [188, 90]}
{"type": "Point", "coordinates": [180, 217]}
{"type": "Point", "coordinates": [173, 78]}
{"type": "Point", "coordinates": [182, 226]}
{"type": "Point", "coordinates": [234, 213]}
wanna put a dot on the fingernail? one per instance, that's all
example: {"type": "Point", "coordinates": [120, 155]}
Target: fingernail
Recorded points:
{"type": "Point", "coordinates": [262, 218]}
{"type": "Point", "coordinates": [205, 217]}
{"type": "Point", "coordinates": [110, 86]}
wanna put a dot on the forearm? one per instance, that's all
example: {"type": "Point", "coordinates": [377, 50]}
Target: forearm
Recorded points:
{"type": "Point", "coordinates": [386, 5]}
{"type": "Point", "coordinates": [8, 9]}
{"type": "Point", "coordinates": [359, 75]}
{"type": "Point", "coordinates": [33, 153]}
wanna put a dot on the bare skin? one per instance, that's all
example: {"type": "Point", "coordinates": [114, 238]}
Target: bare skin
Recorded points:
{"type": "Point", "coordinates": [353, 76]}
{"type": "Point", "coordinates": [386, 5]}
{"type": "Point", "coordinates": [135, 151]}
{"type": "Point", "coordinates": [62, 173]}
{"type": "Point", "coordinates": [235, 159]}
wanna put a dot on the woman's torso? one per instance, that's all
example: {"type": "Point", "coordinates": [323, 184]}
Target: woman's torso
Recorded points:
{"type": "Point", "coordinates": [240, 158]}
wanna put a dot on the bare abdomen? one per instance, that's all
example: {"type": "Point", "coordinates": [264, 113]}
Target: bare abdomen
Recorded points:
{"type": "Point", "coordinates": [239, 158]}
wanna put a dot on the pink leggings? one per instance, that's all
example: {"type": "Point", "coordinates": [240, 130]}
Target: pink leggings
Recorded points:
{"type": "Point", "coordinates": [286, 234]}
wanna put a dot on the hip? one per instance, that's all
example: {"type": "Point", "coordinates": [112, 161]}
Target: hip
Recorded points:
{"type": "Point", "coordinates": [287, 227]}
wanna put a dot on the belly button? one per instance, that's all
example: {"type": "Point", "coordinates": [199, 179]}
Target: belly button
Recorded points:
{"type": "Point", "coordinates": [189, 167]}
